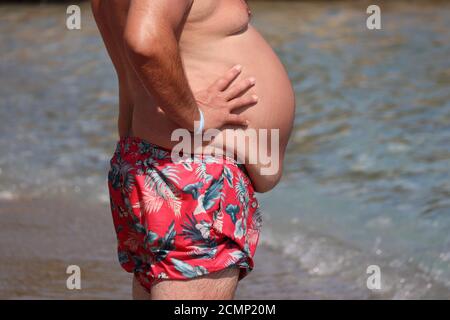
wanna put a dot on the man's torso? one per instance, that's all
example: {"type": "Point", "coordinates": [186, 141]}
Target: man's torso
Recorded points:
{"type": "Point", "coordinates": [215, 36]}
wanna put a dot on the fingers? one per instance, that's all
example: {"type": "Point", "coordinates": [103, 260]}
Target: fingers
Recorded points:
{"type": "Point", "coordinates": [243, 102]}
{"type": "Point", "coordinates": [223, 82]}
{"type": "Point", "coordinates": [237, 120]}
{"type": "Point", "coordinates": [239, 89]}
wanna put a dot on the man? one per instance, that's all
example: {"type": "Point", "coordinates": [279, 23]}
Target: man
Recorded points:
{"type": "Point", "coordinates": [189, 229]}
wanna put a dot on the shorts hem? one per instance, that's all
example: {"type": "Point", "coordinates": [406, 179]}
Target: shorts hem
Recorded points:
{"type": "Point", "coordinates": [244, 271]}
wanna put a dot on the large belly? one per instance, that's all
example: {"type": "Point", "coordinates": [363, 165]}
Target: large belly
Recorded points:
{"type": "Point", "coordinates": [275, 107]}
{"type": "Point", "coordinates": [207, 60]}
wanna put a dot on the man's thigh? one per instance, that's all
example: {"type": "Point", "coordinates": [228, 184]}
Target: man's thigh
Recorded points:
{"type": "Point", "coordinates": [215, 286]}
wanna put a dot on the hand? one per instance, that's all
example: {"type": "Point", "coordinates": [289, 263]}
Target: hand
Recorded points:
{"type": "Point", "coordinates": [221, 98]}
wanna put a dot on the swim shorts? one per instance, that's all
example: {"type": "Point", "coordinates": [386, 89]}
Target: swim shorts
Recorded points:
{"type": "Point", "coordinates": [184, 219]}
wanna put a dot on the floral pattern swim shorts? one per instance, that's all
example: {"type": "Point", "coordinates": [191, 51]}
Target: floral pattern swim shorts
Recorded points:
{"type": "Point", "coordinates": [180, 220]}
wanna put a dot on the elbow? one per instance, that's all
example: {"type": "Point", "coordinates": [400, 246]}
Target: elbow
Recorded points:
{"type": "Point", "coordinates": [141, 46]}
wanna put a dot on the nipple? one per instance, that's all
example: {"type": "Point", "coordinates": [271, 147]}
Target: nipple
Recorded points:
{"type": "Point", "coordinates": [249, 12]}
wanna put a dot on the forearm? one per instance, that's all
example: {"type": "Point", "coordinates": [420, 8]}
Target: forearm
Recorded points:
{"type": "Point", "coordinates": [151, 43]}
{"type": "Point", "coordinates": [162, 75]}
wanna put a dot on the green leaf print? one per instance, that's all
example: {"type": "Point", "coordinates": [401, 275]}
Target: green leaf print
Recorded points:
{"type": "Point", "coordinates": [213, 193]}
{"type": "Point", "coordinates": [232, 210]}
{"type": "Point", "coordinates": [187, 270]}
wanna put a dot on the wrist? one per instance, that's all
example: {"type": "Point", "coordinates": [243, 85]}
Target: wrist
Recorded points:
{"type": "Point", "coordinates": [199, 126]}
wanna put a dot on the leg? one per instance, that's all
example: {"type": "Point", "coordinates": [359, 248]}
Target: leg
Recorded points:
{"type": "Point", "coordinates": [138, 292]}
{"type": "Point", "coordinates": [215, 286]}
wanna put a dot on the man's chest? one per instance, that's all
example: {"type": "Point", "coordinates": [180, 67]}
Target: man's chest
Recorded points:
{"type": "Point", "coordinates": [223, 16]}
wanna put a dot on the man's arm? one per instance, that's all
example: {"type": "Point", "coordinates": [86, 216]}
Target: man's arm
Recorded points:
{"type": "Point", "coordinates": [152, 46]}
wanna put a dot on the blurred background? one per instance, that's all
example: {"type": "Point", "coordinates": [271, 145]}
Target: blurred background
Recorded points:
{"type": "Point", "coordinates": [367, 179]}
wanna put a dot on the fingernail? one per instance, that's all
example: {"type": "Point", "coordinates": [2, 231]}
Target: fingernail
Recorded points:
{"type": "Point", "coordinates": [238, 67]}
{"type": "Point", "coordinates": [252, 80]}
{"type": "Point", "coordinates": [255, 97]}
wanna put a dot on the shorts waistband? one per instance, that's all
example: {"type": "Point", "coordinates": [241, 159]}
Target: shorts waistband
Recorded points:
{"type": "Point", "coordinates": [132, 140]}
{"type": "Point", "coordinates": [136, 140]}
{"type": "Point", "coordinates": [156, 149]}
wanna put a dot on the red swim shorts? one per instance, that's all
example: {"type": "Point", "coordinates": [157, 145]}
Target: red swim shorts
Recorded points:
{"type": "Point", "coordinates": [180, 220]}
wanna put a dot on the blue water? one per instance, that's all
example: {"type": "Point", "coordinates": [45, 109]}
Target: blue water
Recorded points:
{"type": "Point", "coordinates": [369, 160]}
{"type": "Point", "coordinates": [367, 170]}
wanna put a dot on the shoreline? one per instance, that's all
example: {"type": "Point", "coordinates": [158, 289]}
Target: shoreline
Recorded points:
{"type": "Point", "coordinates": [40, 238]}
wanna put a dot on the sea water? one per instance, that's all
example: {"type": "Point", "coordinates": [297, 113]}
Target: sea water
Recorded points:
{"type": "Point", "coordinates": [367, 170]}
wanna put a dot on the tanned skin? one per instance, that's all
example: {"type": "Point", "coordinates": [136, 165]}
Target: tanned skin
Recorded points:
{"type": "Point", "coordinates": [174, 57]}
{"type": "Point", "coordinates": [209, 37]}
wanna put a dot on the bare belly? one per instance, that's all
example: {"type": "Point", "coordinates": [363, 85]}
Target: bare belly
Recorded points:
{"type": "Point", "coordinates": [204, 62]}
